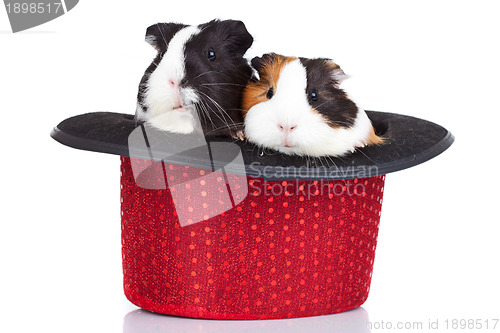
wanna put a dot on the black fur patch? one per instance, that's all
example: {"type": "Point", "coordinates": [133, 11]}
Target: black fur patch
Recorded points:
{"type": "Point", "coordinates": [219, 82]}
{"type": "Point", "coordinates": [160, 34]}
{"type": "Point", "coordinates": [331, 102]}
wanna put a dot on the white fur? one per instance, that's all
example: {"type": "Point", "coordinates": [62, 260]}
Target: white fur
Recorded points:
{"type": "Point", "coordinates": [174, 122]}
{"type": "Point", "coordinates": [161, 97]}
{"type": "Point", "coordinates": [289, 107]}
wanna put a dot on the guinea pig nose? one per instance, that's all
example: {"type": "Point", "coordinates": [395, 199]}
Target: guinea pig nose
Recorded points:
{"type": "Point", "coordinates": [287, 128]}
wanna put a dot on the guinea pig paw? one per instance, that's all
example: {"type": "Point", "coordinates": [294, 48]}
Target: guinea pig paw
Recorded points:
{"type": "Point", "coordinates": [239, 136]}
{"type": "Point", "coordinates": [352, 150]}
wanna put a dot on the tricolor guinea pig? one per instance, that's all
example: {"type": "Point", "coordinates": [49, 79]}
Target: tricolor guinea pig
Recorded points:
{"type": "Point", "coordinates": [297, 107]}
{"type": "Point", "coordinates": [199, 72]}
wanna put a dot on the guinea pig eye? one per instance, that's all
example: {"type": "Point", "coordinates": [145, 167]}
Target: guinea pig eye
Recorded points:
{"type": "Point", "coordinates": [270, 93]}
{"type": "Point", "coordinates": [211, 55]}
{"type": "Point", "coordinates": [313, 96]}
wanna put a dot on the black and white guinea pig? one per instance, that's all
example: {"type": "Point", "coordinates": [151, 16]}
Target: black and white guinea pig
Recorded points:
{"type": "Point", "coordinates": [198, 73]}
{"type": "Point", "coordinates": [297, 107]}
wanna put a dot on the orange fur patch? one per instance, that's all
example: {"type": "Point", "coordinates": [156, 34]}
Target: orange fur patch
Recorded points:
{"type": "Point", "coordinates": [255, 92]}
{"type": "Point", "coordinates": [374, 139]}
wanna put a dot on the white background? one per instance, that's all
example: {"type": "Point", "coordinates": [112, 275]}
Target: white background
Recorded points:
{"type": "Point", "coordinates": [437, 257]}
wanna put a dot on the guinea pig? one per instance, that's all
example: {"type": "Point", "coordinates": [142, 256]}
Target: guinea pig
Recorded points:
{"type": "Point", "coordinates": [297, 107]}
{"type": "Point", "coordinates": [197, 78]}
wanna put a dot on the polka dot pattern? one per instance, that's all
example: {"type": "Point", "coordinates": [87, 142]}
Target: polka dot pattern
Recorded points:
{"type": "Point", "coordinates": [307, 250]}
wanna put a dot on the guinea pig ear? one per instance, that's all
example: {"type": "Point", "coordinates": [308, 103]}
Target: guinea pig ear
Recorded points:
{"type": "Point", "coordinates": [237, 36]}
{"type": "Point", "coordinates": [259, 62]}
{"type": "Point", "coordinates": [336, 73]}
{"type": "Point", "coordinates": [160, 34]}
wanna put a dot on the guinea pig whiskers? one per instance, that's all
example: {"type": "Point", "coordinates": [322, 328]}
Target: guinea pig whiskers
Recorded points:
{"type": "Point", "coordinates": [323, 164]}
{"type": "Point", "coordinates": [209, 72]}
{"type": "Point", "coordinates": [223, 112]}
{"type": "Point", "coordinates": [338, 122]}
{"type": "Point", "coordinates": [368, 157]}
{"type": "Point", "coordinates": [318, 106]}
{"type": "Point", "coordinates": [235, 125]}
{"type": "Point", "coordinates": [206, 106]}
{"type": "Point", "coordinates": [334, 164]}
{"type": "Point", "coordinates": [218, 88]}
{"type": "Point", "coordinates": [223, 83]}
{"type": "Point", "coordinates": [217, 106]}
{"type": "Point", "coordinates": [342, 172]}
{"type": "Point", "coordinates": [205, 113]}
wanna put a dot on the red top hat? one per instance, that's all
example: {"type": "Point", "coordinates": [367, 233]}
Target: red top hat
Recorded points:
{"type": "Point", "coordinates": [218, 229]}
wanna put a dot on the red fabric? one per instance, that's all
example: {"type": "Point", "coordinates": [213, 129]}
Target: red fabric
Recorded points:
{"type": "Point", "coordinates": [308, 251]}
